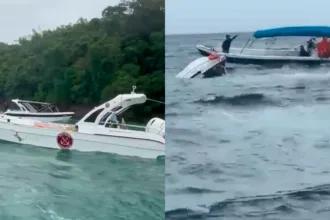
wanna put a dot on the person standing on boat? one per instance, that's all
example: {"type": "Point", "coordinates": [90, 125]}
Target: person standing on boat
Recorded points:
{"type": "Point", "coordinates": [322, 47]}
{"type": "Point", "coordinates": [113, 120]}
{"type": "Point", "coordinates": [227, 42]}
{"type": "Point", "coordinates": [311, 46]}
{"type": "Point", "coordinates": [303, 52]}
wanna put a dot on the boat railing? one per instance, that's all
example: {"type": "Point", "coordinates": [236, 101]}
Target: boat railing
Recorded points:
{"type": "Point", "coordinates": [120, 125]}
{"type": "Point", "coordinates": [113, 124]}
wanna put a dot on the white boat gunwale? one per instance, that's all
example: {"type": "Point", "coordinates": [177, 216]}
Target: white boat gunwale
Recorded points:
{"type": "Point", "coordinates": [262, 57]}
{"type": "Point", "coordinates": [89, 134]}
{"type": "Point", "coordinates": [148, 139]}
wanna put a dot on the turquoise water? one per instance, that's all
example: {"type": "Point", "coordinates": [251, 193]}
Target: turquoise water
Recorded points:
{"type": "Point", "coordinates": [39, 183]}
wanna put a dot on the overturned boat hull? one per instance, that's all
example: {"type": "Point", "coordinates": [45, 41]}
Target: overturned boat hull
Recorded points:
{"type": "Point", "coordinates": [204, 67]}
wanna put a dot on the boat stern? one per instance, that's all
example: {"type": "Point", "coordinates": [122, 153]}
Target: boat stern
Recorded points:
{"type": "Point", "coordinates": [156, 126]}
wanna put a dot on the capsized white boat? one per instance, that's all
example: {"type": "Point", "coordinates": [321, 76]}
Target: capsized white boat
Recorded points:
{"type": "Point", "coordinates": [41, 111]}
{"type": "Point", "coordinates": [205, 67]}
{"type": "Point", "coordinates": [98, 131]}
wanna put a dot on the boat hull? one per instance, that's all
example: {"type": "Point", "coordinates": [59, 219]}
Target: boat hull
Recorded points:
{"type": "Point", "coordinates": [203, 67]}
{"type": "Point", "coordinates": [44, 117]}
{"type": "Point", "coordinates": [112, 143]}
{"type": "Point", "coordinates": [269, 60]}
{"type": "Point", "coordinates": [217, 70]}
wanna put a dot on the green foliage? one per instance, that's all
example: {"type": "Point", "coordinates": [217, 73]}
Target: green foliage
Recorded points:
{"type": "Point", "coordinates": [91, 61]}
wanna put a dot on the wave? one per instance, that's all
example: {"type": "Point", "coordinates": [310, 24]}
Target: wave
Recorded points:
{"type": "Point", "coordinates": [196, 190]}
{"type": "Point", "coordinates": [238, 100]}
{"type": "Point", "coordinates": [278, 204]}
{"type": "Point", "coordinates": [170, 55]}
{"type": "Point", "coordinates": [171, 114]}
{"type": "Point", "coordinates": [181, 114]}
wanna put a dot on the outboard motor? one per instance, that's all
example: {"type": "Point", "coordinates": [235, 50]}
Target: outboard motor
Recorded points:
{"type": "Point", "coordinates": [157, 126]}
{"type": "Point", "coordinates": [205, 67]}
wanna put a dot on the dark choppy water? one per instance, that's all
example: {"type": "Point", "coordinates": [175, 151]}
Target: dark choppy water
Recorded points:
{"type": "Point", "coordinates": [45, 184]}
{"type": "Point", "coordinates": [252, 145]}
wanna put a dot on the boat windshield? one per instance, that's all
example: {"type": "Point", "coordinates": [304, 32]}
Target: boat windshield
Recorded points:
{"type": "Point", "coordinates": [39, 107]}
{"type": "Point", "coordinates": [104, 118]}
{"type": "Point", "coordinates": [12, 106]}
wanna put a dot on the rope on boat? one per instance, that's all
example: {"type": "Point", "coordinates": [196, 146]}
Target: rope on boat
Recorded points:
{"type": "Point", "coordinates": [153, 100]}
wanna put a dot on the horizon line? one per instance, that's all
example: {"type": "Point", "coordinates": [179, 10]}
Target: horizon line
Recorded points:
{"type": "Point", "coordinates": [204, 33]}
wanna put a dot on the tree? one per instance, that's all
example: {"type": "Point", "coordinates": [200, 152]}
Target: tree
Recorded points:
{"type": "Point", "coordinates": [91, 61]}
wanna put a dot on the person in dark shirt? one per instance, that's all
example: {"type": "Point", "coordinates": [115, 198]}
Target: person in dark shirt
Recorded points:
{"type": "Point", "coordinates": [226, 43]}
{"type": "Point", "coordinates": [311, 44]}
{"type": "Point", "coordinates": [303, 52]}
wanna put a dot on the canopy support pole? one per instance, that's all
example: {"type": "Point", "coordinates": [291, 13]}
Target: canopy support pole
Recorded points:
{"type": "Point", "coordinates": [251, 43]}
{"type": "Point", "coordinates": [245, 45]}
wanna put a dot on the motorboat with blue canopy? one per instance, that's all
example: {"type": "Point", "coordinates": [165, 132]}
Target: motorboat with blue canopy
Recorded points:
{"type": "Point", "coordinates": [271, 55]}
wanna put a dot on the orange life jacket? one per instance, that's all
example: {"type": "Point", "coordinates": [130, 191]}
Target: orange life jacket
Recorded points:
{"type": "Point", "coordinates": [213, 56]}
{"type": "Point", "coordinates": [327, 50]}
{"type": "Point", "coordinates": [322, 48]}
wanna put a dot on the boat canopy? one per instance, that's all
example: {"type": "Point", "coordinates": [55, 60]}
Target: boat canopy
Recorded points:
{"type": "Point", "coordinates": [294, 31]}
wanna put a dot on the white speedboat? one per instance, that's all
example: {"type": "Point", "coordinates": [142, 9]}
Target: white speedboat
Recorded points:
{"type": "Point", "coordinates": [205, 67]}
{"type": "Point", "coordinates": [98, 131]}
{"type": "Point", "coordinates": [41, 111]}
{"type": "Point", "coordinates": [275, 56]}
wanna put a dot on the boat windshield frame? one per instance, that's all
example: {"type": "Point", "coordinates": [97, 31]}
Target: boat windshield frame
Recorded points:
{"type": "Point", "coordinates": [36, 107]}
{"type": "Point", "coordinates": [118, 105]}
{"type": "Point", "coordinates": [294, 31]}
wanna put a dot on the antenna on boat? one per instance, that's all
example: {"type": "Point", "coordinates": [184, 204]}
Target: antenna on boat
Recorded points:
{"type": "Point", "coordinates": [133, 89]}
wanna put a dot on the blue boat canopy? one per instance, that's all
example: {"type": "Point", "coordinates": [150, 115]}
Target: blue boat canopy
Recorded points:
{"type": "Point", "coordinates": [298, 31]}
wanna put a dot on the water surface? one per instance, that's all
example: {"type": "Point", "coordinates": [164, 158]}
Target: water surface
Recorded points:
{"type": "Point", "coordinates": [39, 183]}
{"type": "Point", "coordinates": [251, 145]}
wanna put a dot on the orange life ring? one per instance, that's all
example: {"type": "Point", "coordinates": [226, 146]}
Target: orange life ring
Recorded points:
{"type": "Point", "coordinates": [213, 56]}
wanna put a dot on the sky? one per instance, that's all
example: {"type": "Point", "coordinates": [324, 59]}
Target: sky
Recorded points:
{"type": "Point", "coordinates": [19, 17]}
{"type": "Point", "coordinates": [215, 16]}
